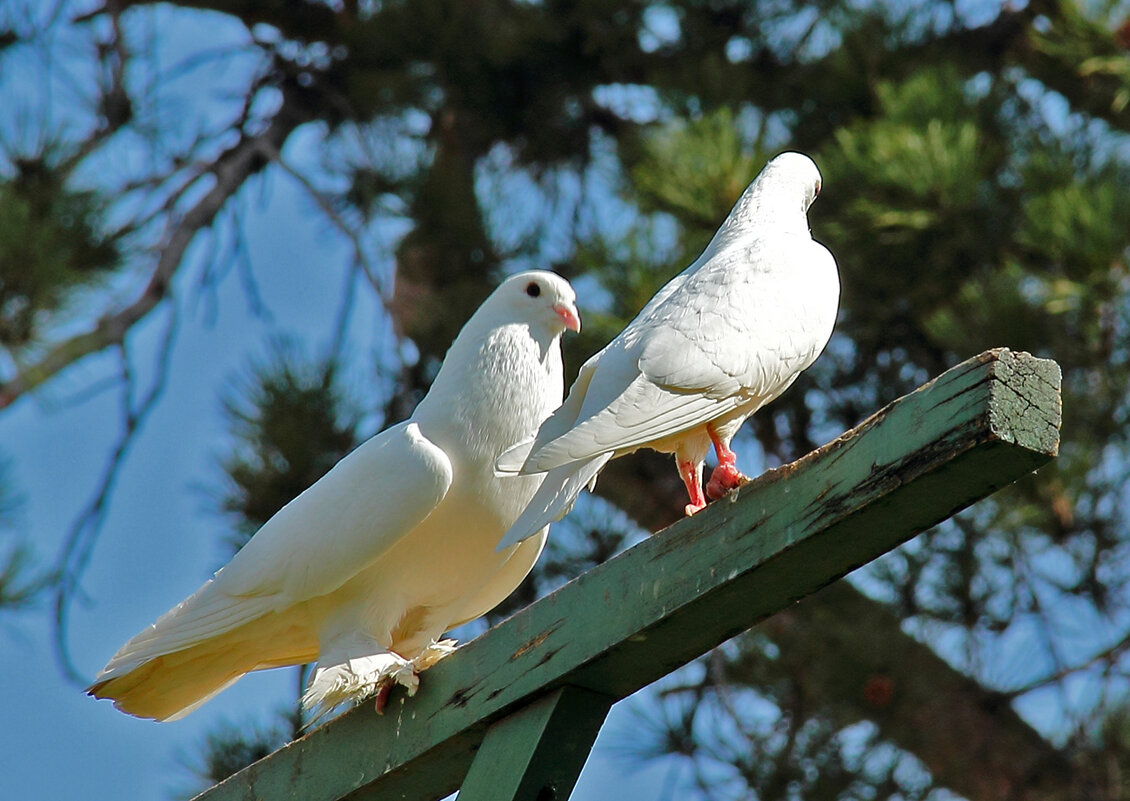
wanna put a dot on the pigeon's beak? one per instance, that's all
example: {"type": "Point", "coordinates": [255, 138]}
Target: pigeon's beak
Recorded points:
{"type": "Point", "coordinates": [569, 317]}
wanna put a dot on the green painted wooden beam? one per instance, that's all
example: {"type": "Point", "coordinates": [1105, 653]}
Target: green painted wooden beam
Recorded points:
{"type": "Point", "coordinates": [626, 623]}
{"type": "Point", "coordinates": [536, 753]}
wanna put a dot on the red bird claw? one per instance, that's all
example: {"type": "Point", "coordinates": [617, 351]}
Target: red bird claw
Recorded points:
{"type": "Point", "coordinates": [724, 479]}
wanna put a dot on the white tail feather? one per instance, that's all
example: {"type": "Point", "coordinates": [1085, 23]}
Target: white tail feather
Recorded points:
{"type": "Point", "coordinates": [205, 614]}
{"type": "Point", "coordinates": [513, 458]}
{"type": "Point", "coordinates": [554, 498]}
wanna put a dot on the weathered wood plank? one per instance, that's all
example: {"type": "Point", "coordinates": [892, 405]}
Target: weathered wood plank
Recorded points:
{"type": "Point", "coordinates": [536, 753]}
{"type": "Point", "coordinates": [620, 626]}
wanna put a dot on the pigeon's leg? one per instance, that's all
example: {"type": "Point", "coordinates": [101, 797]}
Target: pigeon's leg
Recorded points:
{"type": "Point", "coordinates": [380, 700]}
{"type": "Point", "coordinates": [422, 661]}
{"type": "Point", "coordinates": [689, 472]}
{"type": "Point", "coordinates": [726, 476]}
{"type": "Point", "coordinates": [356, 678]}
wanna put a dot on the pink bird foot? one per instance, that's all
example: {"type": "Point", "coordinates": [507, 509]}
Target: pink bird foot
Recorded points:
{"type": "Point", "coordinates": [422, 661]}
{"type": "Point", "coordinates": [380, 700]}
{"type": "Point", "coordinates": [688, 471]}
{"type": "Point", "coordinates": [724, 479]}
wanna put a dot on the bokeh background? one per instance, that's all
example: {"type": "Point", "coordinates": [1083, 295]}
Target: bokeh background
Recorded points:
{"type": "Point", "coordinates": [237, 236]}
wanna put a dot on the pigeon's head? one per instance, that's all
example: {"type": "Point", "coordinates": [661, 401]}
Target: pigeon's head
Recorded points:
{"type": "Point", "coordinates": [792, 172]}
{"type": "Point", "coordinates": [777, 200]}
{"type": "Point", "coordinates": [541, 297]}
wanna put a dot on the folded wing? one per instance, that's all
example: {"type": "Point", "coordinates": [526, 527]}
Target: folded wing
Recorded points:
{"type": "Point", "coordinates": [721, 341]}
{"type": "Point", "coordinates": [204, 643]}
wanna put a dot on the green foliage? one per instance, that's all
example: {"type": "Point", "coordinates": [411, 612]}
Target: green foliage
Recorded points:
{"type": "Point", "coordinates": [50, 246]}
{"type": "Point", "coordinates": [911, 207]}
{"type": "Point", "coordinates": [1109, 751]}
{"type": "Point", "coordinates": [291, 423]}
{"type": "Point", "coordinates": [696, 170]}
{"type": "Point", "coordinates": [629, 271]}
{"type": "Point", "coordinates": [1075, 219]}
{"type": "Point", "coordinates": [18, 590]}
{"type": "Point", "coordinates": [690, 170]}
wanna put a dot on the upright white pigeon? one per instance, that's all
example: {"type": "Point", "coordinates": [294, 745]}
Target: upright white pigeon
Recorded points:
{"type": "Point", "coordinates": [395, 545]}
{"type": "Point", "coordinates": [719, 341]}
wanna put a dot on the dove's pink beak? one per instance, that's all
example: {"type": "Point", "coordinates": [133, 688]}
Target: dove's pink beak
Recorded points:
{"type": "Point", "coordinates": [569, 317]}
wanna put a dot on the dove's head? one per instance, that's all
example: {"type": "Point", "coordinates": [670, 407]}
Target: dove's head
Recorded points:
{"type": "Point", "coordinates": [793, 175]}
{"type": "Point", "coordinates": [777, 200]}
{"type": "Point", "coordinates": [540, 298]}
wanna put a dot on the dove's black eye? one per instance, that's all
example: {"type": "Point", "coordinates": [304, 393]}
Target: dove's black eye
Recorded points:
{"type": "Point", "coordinates": [532, 289]}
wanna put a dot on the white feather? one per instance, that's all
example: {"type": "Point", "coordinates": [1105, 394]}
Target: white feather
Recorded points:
{"type": "Point", "coordinates": [566, 482]}
{"type": "Point", "coordinates": [721, 339]}
{"type": "Point", "coordinates": [395, 545]}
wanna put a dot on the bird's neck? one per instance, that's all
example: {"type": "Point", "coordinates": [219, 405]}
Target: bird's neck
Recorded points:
{"type": "Point", "coordinates": [493, 390]}
{"type": "Point", "coordinates": [763, 208]}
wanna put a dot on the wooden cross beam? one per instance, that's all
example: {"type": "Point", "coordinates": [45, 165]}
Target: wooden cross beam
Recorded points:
{"type": "Point", "coordinates": [512, 715]}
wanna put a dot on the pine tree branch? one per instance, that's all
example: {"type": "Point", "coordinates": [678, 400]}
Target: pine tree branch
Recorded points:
{"type": "Point", "coordinates": [230, 170]}
{"type": "Point", "coordinates": [78, 547]}
{"type": "Point", "coordinates": [1079, 58]}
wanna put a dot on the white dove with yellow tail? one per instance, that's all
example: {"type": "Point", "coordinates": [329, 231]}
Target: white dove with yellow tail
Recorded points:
{"type": "Point", "coordinates": [365, 570]}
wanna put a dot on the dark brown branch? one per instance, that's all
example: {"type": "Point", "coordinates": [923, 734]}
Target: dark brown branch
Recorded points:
{"type": "Point", "coordinates": [230, 170]}
{"type": "Point", "coordinates": [78, 547]}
